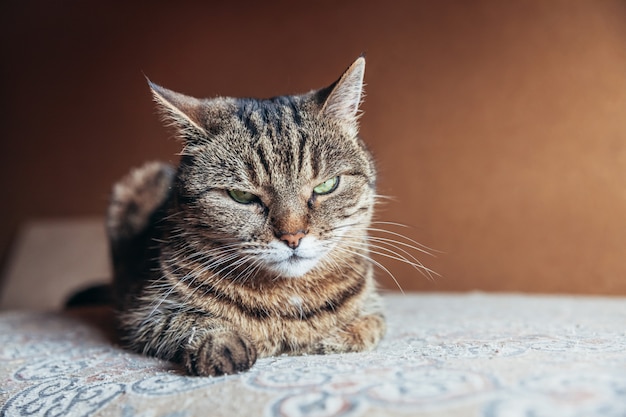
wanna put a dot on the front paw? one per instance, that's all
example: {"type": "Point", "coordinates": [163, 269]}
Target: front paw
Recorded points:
{"type": "Point", "coordinates": [221, 352]}
{"type": "Point", "coordinates": [362, 334]}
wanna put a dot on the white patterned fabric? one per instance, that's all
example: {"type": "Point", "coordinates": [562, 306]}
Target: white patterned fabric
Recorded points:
{"type": "Point", "coordinates": [444, 355]}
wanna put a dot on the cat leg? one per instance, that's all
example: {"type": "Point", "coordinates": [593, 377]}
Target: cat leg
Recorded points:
{"type": "Point", "coordinates": [363, 334]}
{"type": "Point", "coordinates": [204, 345]}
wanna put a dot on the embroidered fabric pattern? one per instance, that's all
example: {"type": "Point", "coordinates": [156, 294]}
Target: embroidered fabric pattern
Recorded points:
{"type": "Point", "coordinates": [483, 355]}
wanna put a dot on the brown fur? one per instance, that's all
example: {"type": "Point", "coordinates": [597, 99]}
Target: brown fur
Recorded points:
{"type": "Point", "coordinates": [213, 283]}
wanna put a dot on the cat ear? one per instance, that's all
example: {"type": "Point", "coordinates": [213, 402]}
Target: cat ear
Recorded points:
{"type": "Point", "coordinates": [184, 112]}
{"type": "Point", "coordinates": [344, 96]}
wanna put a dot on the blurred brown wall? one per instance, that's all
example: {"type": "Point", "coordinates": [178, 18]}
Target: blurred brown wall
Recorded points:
{"type": "Point", "coordinates": [498, 125]}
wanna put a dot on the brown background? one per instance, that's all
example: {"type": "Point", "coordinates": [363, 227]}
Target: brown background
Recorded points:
{"type": "Point", "coordinates": [498, 125]}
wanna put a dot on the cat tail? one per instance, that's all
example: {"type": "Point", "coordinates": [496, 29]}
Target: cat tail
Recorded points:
{"type": "Point", "coordinates": [136, 198]}
{"type": "Point", "coordinates": [91, 296]}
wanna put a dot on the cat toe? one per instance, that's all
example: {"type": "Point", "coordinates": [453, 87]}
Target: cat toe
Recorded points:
{"type": "Point", "coordinates": [223, 353]}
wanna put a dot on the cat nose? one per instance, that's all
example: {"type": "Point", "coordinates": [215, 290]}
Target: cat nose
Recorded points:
{"type": "Point", "coordinates": [292, 239]}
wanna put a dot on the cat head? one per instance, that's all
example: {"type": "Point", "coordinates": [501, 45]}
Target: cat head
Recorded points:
{"type": "Point", "coordinates": [281, 185]}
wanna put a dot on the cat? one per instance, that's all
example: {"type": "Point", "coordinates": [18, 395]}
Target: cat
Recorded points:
{"type": "Point", "coordinates": [256, 244]}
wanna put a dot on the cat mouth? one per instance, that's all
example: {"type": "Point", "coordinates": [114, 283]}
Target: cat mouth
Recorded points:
{"type": "Point", "coordinates": [293, 259]}
{"type": "Point", "coordinates": [293, 263]}
{"type": "Point", "coordinates": [297, 258]}
{"type": "Point", "coordinates": [293, 266]}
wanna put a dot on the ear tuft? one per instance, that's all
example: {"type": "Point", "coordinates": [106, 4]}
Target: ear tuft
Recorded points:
{"type": "Point", "coordinates": [343, 101]}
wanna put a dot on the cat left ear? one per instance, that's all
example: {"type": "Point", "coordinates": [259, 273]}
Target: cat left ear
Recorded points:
{"type": "Point", "coordinates": [183, 111]}
{"type": "Point", "coordinates": [344, 97]}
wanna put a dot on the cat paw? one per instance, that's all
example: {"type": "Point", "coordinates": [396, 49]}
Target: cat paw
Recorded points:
{"type": "Point", "coordinates": [220, 353]}
{"type": "Point", "coordinates": [362, 334]}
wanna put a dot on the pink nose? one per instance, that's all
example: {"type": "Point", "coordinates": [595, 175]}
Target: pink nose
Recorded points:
{"type": "Point", "coordinates": [292, 239]}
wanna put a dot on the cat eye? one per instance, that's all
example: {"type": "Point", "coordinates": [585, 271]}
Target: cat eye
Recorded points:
{"type": "Point", "coordinates": [327, 186]}
{"type": "Point", "coordinates": [242, 197]}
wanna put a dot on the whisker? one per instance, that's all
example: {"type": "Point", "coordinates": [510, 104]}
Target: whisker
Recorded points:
{"type": "Point", "coordinates": [400, 243]}
{"type": "Point", "coordinates": [399, 234]}
{"type": "Point", "coordinates": [415, 263]}
{"type": "Point", "coordinates": [391, 254]}
{"type": "Point", "coordinates": [375, 262]}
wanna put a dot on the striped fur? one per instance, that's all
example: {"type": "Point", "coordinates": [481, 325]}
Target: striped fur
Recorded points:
{"type": "Point", "coordinates": [214, 283]}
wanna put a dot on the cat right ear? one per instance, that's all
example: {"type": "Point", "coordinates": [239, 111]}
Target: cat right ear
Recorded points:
{"type": "Point", "coordinates": [183, 112]}
{"type": "Point", "coordinates": [343, 98]}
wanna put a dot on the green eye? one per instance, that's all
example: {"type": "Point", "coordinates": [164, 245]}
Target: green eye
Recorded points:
{"type": "Point", "coordinates": [327, 186]}
{"type": "Point", "coordinates": [242, 197]}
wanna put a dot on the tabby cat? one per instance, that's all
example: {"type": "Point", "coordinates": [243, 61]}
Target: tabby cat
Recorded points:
{"type": "Point", "coordinates": [256, 244]}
